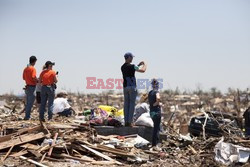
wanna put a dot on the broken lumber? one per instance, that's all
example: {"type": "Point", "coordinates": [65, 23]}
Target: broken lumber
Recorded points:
{"type": "Point", "coordinates": [18, 154]}
{"type": "Point", "coordinates": [32, 161]}
{"type": "Point", "coordinates": [71, 157]}
{"type": "Point", "coordinates": [20, 132]}
{"type": "Point", "coordinates": [30, 146]}
{"type": "Point", "coordinates": [53, 143]}
{"type": "Point", "coordinates": [103, 163]}
{"type": "Point", "coordinates": [100, 154]}
{"type": "Point", "coordinates": [21, 140]}
{"type": "Point", "coordinates": [112, 150]}
{"type": "Point", "coordinates": [8, 153]}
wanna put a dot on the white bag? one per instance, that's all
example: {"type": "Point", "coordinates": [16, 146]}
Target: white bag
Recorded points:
{"type": "Point", "coordinates": [145, 120]}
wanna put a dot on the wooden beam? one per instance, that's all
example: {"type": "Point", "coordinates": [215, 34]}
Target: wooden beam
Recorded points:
{"type": "Point", "coordinates": [30, 146]}
{"type": "Point", "coordinates": [36, 153]}
{"type": "Point", "coordinates": [19, 132]}
{"type": "Point", "coordinates": [112, 150]}
{"type": "Point", "coordinates": [53, 143]}
{"type": "Point", "coordinates": [44, 155]}
{"type": "Point", "coordinates": [103, 163]}
{"type": "Point", "coordinates": [21, 140]}
{"type": "Point", "coordinates": [32, 161]}
{"type": "Point", "coordinates": [100, 154]}
{"type": "Point", "coordinates": [8, 153]}
{"type": "Point", "coordinates": [71, 157]}
{"type": "Point", "coordinates": [18, 154]}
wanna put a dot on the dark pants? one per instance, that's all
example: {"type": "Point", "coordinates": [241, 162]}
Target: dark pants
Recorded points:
{"type": "Point", "coordinates": [47, 95]}
{"type": "Point", "coordinates": [30, 98]}
{"type": "Point", "coordinates": [66, 112]}
{"type": "Point", "coordinates": [156, 117]}
{"type": "Point", "coordinates": [247, 131]}
{"type": "Point", "coordinates": [38, 97]}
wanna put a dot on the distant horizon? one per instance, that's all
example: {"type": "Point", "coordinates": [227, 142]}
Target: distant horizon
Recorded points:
{"type": "Point", "coordinates": [115, 91]}
{"type": "Point", "coordinates": [189, 44]}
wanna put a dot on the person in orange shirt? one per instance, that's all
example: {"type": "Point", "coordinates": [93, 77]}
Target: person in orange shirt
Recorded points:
{"type": "Point", "coordinates": [48, 79]}
{"type": "Point", "coordinates": [29, 75]}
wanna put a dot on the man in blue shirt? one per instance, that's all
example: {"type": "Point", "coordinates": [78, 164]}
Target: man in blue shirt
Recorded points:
{"type": "Point", "coordinates": [129, 86]}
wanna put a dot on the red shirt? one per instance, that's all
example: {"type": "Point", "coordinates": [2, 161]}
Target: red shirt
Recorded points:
{"type": "Point", "coordinates": [48, 77]}
{"type": "Point", "coordinates": [29, 75]}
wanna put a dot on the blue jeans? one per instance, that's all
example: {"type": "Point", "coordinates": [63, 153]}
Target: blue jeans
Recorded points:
{"type": "Point", "coordinates": [47, 94]}
{"type": "Point", "coordinates": [30, 98]}
{"type": "Point", "coordinates": [130, 94]}
{"type": "Point", "coordinates": [156, 117]}
{"type": "Point", "coordinates": [247, 131]}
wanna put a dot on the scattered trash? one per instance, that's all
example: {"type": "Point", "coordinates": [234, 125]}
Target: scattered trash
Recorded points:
{"type": "Point", "coordinates": [227, 153]}
{"type": "Point", "coordinates": [69, 141]}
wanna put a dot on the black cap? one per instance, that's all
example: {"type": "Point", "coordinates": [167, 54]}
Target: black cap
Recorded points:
{"type": "Point", "coordinates": [49, 63]}
{"type": "Point", "coordinates": [33, 59]}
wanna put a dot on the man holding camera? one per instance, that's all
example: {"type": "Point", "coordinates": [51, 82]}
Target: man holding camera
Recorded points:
{"type": "Point", "coordinates": [129, 86]}
{"type": "Point", "coordinates": [48, 79]}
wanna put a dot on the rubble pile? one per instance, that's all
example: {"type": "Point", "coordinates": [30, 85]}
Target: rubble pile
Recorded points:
{"type": "Point", "coordinates": [73, 141]}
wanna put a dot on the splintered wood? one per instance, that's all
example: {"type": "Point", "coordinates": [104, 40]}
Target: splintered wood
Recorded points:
{"type": "Point", "coordinates": [70, 141]}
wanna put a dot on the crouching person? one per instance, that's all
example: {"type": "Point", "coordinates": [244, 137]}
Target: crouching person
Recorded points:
{"type": "Point", "coordinates": [61, 105]}
{"type": "Point", "coordinates": [155, 110]}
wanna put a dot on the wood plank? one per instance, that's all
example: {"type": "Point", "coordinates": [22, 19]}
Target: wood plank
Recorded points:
{"type": "Point", "coordinates": [18, 154]}
{"type": "Point", "coordinates": [53, 143]}
{"type": "Point", "coordinates": [59, 126]}
{"type": "Point", "coordinates": [32, 161]}
{"type": "Point", "coordinates": [47, 147]}
{"type": "Point", "coordinates": [103, 163]}
{"type": "Point", "coordinates": [5, 138]}
{"type": "Point", "coordinates": [113, 150]}
{"type": "Point", "coordinates": [100, 154]}
{"type": "Point", "coordinates": [21, 140]}
{"type": "Point", "coordinates": [19, 132]}
{"type": "Point", "coordinates": [30, 146]}
{"type": "Point", "coordinates": [44, 155]}
{"type": "Point", "coordinates": [30, 130]}
{"type": "Point", "coordinates": [36, 153]}
{"type": "Point", "coordinates": [71, 157]}
{"type": "Point", "coordinates": [8, 153]}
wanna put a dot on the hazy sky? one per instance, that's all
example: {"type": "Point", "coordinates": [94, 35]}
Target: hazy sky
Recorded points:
{"type": "Point", "coordinates": [185, 42]}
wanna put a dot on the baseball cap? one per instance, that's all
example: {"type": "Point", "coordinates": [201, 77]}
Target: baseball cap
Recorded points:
{"type": "Point", "coordinates": [128, 54]}
{"type": "Point", "coordinates": [49, 63]}
{"type": "Point", "coordinates": [63, 92]}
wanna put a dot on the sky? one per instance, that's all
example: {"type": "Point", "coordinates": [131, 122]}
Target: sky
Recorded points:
{"type": "Point", "coordinates": [189, 44]}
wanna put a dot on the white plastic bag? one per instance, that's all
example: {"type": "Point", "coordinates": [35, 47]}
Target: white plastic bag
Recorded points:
{"type": "Point", "coordinates": [145, 120]}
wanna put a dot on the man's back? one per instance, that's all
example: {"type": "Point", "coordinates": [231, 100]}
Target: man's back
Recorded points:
{"type": "Point", "coordinates": [60, 104]}
{"type": "Point", "coordinates": [128, 73]}
{"type": "Point", "coordinates": [47, 77]}
{"type": "Point", "coordinates": [152, 100]}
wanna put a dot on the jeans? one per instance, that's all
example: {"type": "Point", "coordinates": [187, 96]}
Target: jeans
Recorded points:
{"type": "Point", "coordinates": [30, 98]}
{"type": "Point", "coordinates": [247, 131]}
{"type": "Point", "coordinates": [130, 94]}
{"type": "Point", "coordinates": [66, 112]}
{"type": "Point", "coordinates": [47, 94]}
{"type": "Point", "coordinates": [156, 117]}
